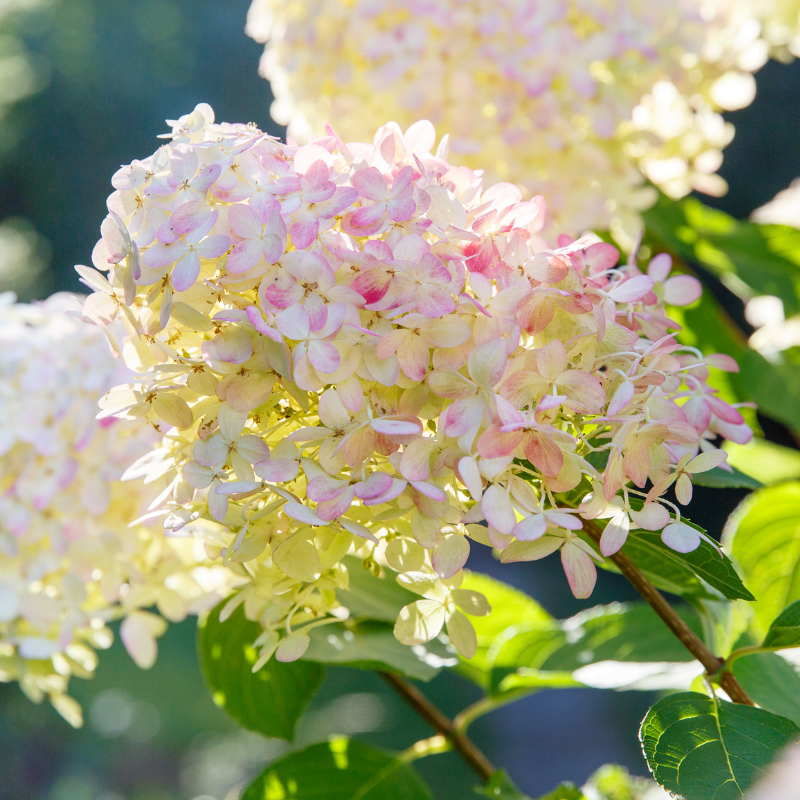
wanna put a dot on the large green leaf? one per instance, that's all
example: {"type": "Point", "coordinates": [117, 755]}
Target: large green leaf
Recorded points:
{"type": "Point", "coordinates": [373, 598]}
{"type": "Point", "coordinates": [372, 645]}
{"type": "Point", "coordinates": [269, 701]}
{"type": "Point", "coordinates": [770, 681]}
{"type": "Point", "coordinates": [340, 769]}
{"type": "Point", "coordinates": [763, 535]}
{"type": "Point", "coordinates": [669, 568]}
{"type": "Point", "coordinates": [629, 646]}
{"type": "Point", "coordinates": [745, 256]}
{"type": "Point", "coordinates": [511, 610]}
{"type": "Point", "coordinates": [706, 749]}
{"type": "Point", "coordinates": [767, 462]}
{"type": "Point", "coordinates": [785, 630]}
{"type": "Point", "coordinates": [620, 632]}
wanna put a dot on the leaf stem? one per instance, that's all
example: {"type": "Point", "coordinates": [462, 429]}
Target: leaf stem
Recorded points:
{"type": "Point", "coordinates": [462, 744]}
{"type": "Point", "coordinates": [688, 638]}
{"type": "Point", "coordinates": [483, 706]}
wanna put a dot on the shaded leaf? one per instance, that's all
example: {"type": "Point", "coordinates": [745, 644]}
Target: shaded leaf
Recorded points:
{"type": "Point", "coordinates": [770, 681]}
{"type": "Point", "coordinates": [785, 630]}
{"type": "Point", "coordinates": [373, 598]}
{"type": "Point", "coordinates": [763, 535]}
{"type": "Point", "coordinates": [269, 701]}
{"type": "Point", "coordinates": [372, 645]}
{"type": "Point", "coordinates": [721, 479]}
{"type": "Point", "coordinates": [706, 562]}
{"type": "Point", "coordinates": [706, 749]}
{"type": "Point", "coordinates": [340, 769]}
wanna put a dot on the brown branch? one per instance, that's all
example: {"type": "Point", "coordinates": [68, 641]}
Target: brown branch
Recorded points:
{"type": "Point", "coordinates": [688, 638]}
{"type": "Point", "coordinates": [462, 744]}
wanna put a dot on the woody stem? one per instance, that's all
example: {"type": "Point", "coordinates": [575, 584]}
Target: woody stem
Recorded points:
{"type": "Point", "coordinates": [462, 744]}
{"type": "Point", "coordinates": [688, 638]}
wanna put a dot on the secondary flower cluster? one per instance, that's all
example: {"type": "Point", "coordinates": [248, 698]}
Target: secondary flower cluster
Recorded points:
{"type": "Point", "coordinates": [69, 563]}
{"type": "Point", "coordinates": [356, 348]}
{"type": "Point", "coordinates": [571, 100]}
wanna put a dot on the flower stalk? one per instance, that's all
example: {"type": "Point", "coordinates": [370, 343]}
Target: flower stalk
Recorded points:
{"type": "Point", "coordinates": [687, 637]}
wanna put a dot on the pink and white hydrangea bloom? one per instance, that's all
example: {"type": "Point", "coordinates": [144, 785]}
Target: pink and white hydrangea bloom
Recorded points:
{"type": "Point", "coordinates": [581, 102]}
{"type": "Point", "coordinates": [423, 375]}
{"type": "Point", "coordinates": [69, 560]}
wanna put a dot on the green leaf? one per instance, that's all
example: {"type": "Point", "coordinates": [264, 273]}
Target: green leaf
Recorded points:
{"type": "Point", "coordinates": [767, 462]}
{"type": "Point", "coordinates": [373, 598]}
{"type": "Point", "coordinates": [501, 787]}
{"type": "Point", "coordinates": [511, 609]}
{"type": "Point", "coordinates": [763, 535]}
{"type": "Point", "coordinates": [706, 562]}
{"type": "Point", "coordinates": [340, 769]}
{"type": "Point", "coordinates": [613, 782]}
{"type": "Point", "coordinates": [372, 645]}
{"type": "Point", "coordinates": [785, 630]}
{"type": "Point", "coordinates": [620, 632]}
{"type": "Point", "coordinates": [565, 791]}
{"type": "Point", "coordinates": [612, 634]}
{"type": "Point", "coordinates": [706, 749]}
{"type": "Point", "coordinates": [269, 701]}
{"type": "Point", "coordinates": [745, 256]}
{"type": "Point", "coordinates": [770, 681]}
{"type": "Point", "coordinates": [721, 479]}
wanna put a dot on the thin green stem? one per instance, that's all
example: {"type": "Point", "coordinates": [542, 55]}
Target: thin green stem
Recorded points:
{"type": "Point", "coordinates": [486, 705]}
{"type": "Point", "coordinates": [426, 747]}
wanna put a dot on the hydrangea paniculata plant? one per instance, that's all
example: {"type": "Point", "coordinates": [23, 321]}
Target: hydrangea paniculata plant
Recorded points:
{"type": "Point", "coordinates": [358, 349]}
{"type": "Point", "coordinates": [579, 102]}
{"type": "Point", "coordinates": [69, 562]}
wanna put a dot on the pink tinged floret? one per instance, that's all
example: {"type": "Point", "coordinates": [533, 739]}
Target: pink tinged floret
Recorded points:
{"type": "Point", "coordinates": [580, 570]}
{"type": "Point", "coordinates": [680, 537]}
{"type": "Point", "coordinates": [497, 509]}
{"type": "Point", "coordinates": [631, 289]}
{"type": "Point", "coordinates": [450, 555]}
{"type": "Point", "coordinates": [659, 267]}
{"type": "Point", "coordinates": [651, 517]}
{"type": "Point", "coordinates": [682, 290]}
{"type": "Point", "coordinates": [615, 533]}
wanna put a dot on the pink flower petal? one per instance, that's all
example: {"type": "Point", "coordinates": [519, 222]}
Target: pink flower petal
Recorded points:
{"type": "Point", "coordinates": [579, 569]}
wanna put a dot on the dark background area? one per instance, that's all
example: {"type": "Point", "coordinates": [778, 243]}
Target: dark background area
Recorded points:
{"type": "Point", "coordinates": [117, 71]}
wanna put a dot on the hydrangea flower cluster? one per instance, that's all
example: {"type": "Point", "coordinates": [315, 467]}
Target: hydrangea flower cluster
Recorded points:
{"type": "Point", "coordinates": [69, 563]}
{"type": "Point", "coordinates": [357, 349]}
{"type": "Point", "coordinates": [574, 101]}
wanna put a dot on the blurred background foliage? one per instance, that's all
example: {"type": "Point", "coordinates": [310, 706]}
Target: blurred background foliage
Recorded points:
{"type": "Point", "coordinates": [86, 85]}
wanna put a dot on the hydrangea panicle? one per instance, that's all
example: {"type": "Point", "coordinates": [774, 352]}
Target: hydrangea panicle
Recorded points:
{"type": "Point", "coordinates": [409, 372]}
{"type": "Point", "coordinates": [69, 562]}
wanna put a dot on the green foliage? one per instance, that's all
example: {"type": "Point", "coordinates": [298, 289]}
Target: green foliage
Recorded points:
{"type": "Point", "coordinates": [746, 257]}
{"type": "Point", "coordinates": [619, 632]}
{"type": "Point", "coordinates": [269, 701]}
{"type": "Point", "coordinates": [768, 462]}
{"type": "Point", "coordinates": [785, 630]}
{"type": "Point", "coordinates": [340, 769]}
{"type": "Point", "coordinates": [770, 681]}
{"type": "Point", "coordinates": [501, 787]}
{"type": "Point", "coordinates": [763, 535]}
{"type": "Point", "coordinates": [512, 611]}
{"type": "Point", "coordinates": [613, 782]}
{"type": "Point", "coordinates": [706, 749]}
{"type": "Point", "coordinates": [372, 645]}
{"type": "Point", "coordinates": [373, 598]}
{"type": "Point", "coordinates": [678, 572]}
{"type": "Point", "coordinates": [722, 479]}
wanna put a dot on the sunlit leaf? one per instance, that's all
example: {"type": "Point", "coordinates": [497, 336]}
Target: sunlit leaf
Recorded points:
{"type": "Point", "coordinates": [340, 769]}
{"type": "Point", "coordinates": [373, 598]}
{"type": "Point", "coordinates": [763, 535]}
{"type": "Point", "coordinates": [269, 701]}
{"type": "Point", "coordinates": [707, 749]}
{"type": "Point", "coordinates": [770, 681]}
